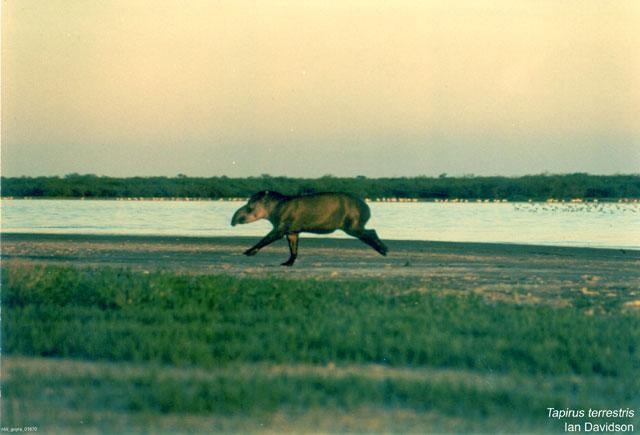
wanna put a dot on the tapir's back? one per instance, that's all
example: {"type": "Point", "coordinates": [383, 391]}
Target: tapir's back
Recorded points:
{"type": "Point", "coordinates": [324, 212]}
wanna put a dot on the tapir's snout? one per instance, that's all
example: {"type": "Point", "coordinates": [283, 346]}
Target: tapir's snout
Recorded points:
{"type": "Point", "coordinates": [250, 212]}
{"type": "Point", "coordinates": [239, 217]}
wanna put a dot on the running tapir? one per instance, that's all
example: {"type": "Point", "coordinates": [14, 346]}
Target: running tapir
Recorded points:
{"type": "Point", "coordinates": [319, 213]}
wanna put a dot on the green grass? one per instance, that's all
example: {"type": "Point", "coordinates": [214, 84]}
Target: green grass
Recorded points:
{"type": "Point", "coordinates": [114, 346]}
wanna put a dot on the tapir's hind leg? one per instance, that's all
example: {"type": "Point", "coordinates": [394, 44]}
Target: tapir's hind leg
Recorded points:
{"type": "Point", "coordinates": [370, 238]}
{"type": "Point", "coordinates": [292, 238]}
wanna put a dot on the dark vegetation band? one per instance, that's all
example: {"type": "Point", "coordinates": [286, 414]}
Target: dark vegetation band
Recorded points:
{"type": "Point", "coordinates": [530, 187]}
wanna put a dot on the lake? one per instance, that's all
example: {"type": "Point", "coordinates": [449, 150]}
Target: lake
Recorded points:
{"type": "Point", "coordinates": [602, 225]}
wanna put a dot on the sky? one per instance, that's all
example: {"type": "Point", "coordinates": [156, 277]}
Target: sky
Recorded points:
{"type": "Point", "coordinates": [311, 88]}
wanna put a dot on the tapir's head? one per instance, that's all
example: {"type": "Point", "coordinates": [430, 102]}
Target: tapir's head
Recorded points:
{"type": "Point", "coordinates": [258, 207]}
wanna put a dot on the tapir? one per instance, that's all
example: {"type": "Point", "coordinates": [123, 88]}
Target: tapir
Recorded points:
{"type": "Point", "coordinates": [320, 213]}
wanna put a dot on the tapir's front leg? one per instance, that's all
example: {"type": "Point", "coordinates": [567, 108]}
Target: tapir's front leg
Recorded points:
{"type": "Point", "coordinates": [269, 238]}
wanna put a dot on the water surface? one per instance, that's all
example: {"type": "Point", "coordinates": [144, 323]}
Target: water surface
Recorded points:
{"type": "Point", "coordinates": [611, 225]}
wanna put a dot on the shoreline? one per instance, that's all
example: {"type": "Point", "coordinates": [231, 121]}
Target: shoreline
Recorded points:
{"type": "Point", "coordinates": [540, 268]}
{"type": "Point", "coordinates": [316, 241]}
{"type": "Point", "coordinates": [573, 201]}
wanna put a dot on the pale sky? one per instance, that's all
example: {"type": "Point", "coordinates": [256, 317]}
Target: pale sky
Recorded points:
{"type": "Point", "coordinates": [308, 88]}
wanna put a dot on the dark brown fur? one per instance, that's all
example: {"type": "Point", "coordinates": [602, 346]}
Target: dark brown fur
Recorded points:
{"type": "Point", "coordinates": [319, 213]}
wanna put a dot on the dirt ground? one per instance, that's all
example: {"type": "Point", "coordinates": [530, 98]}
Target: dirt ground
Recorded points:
{"type": "Point", "coordinates": [534, 271]}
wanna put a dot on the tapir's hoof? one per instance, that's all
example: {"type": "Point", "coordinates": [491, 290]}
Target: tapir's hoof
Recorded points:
{"type": "Point", "coordinates": [383, 251]}
{"type": "Point", "coordinates": [250, 252]}
{"type": "Point", "coordinates": [287, 263]}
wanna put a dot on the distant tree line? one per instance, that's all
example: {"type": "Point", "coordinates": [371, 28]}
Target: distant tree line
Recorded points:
{"type": "Point", "coordinates": [534, 187]}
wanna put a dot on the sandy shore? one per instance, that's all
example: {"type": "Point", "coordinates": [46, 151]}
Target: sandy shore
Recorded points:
{"type": "Point", "coordinates": [532, 269]}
